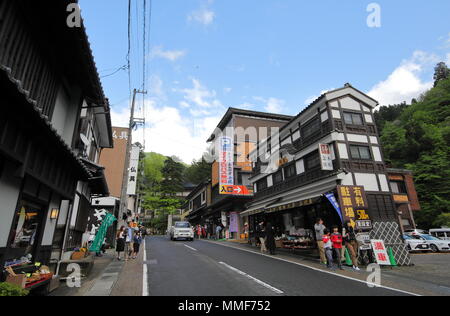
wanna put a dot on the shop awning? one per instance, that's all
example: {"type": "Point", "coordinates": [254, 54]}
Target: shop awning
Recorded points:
{"type": "Point", "coordinates": [97, 183]}
{"type": "Point", "coordinates": [305, 195]}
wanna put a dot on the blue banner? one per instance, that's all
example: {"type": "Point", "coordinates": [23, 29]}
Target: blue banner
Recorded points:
{"type": "Point", "coordinates": [335, 203]}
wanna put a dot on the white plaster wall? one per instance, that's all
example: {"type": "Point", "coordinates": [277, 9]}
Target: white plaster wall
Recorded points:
{"type": "Point", "coordinates": [50, 225]}
{"type": "Point", "coordinates": [269, 181]}
{"type": "Point", "coordinates": [357, 138]}
{"type": "Point", "coordinates": [9, 194]}
{"type": "Point", "coordinates": [300, 165]}
{"type": "Point", "coordinates": [336, 114]}
{"type": "Point", "coordinates": [350, 104]}
{"type": "Point", "coordinates": [373, 140]}
{"type": "Point", "coordinates": [383, 182]}
{"type": "Point", "coordinates": [343, 153]}
{"type": "Point", "coordinates": [376, 153]}
{"type": "Point", "coordinates": [368, 180]}
{"type": "Point", "coordinates": [348, 179]}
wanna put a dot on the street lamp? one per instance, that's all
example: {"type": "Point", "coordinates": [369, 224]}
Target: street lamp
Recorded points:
{"type": "Point", "coordinates": [54, 214]}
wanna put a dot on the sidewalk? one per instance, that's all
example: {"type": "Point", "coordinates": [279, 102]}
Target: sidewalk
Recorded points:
{"type": "Point", "coordinates": [390, 277]}
{"type": "Point", "coordinates": [110, 277]}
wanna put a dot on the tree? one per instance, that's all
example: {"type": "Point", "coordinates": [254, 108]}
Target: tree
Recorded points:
{"type": "Point", "coordinates": [441, 72]}
{"type": "Point", "coordinates": [173, 178]}
{"type": "Point", "coordinates": [388, 113]}
{"type": "Point", "coordinates": [199, 171]}
{"type": "Point", "coordinates": [419, 139]}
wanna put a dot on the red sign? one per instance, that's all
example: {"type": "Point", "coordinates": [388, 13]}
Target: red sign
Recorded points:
{"type": "Point", "coordinates": [235, 190]}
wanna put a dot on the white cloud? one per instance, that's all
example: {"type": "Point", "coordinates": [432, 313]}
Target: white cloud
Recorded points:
{"type": "Point", "coordinates": [272, 105]}
{"type": "Point", "coordinates": [203, 16]}
{"type": "Point", "coordinates": [200, 95]}
{"type": "Point", "coordinates": [121, 117]}
{"type": "Point", "coordinates": [172, 55]}
{"type": "Point", "coordinates": [313, 98]}
{"type": "Point", "coordinates": [227, 90]}
{"type": "Point", "coordinates": [405, 82]}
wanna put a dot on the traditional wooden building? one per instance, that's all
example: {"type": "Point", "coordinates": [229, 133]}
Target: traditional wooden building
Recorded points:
{"type": "Point", "coordinates": [326, 162]}
{"type": "Point", "coordinates": [405, 196]}
{"type": "Point", "coordinates": [246, 127]}
{"type": "Point", "coordinates": [55, 120]}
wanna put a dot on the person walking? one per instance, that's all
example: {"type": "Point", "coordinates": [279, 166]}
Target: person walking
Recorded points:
{"type": "Point", "coordinates": [336, 239]}
{"type": "Point", "coordinates": [218, 232]}
{"type": "Point", "coordinates": [270, 239]}
{"type": "Point", "coordinates": [262, 236]}
{"type": "Point", "coordinates": [328, 248]}
{"type": "Point", "coordinates": [120, 242]}
{"type": "Point", "coordinates": [129, 241]}
{"type": "Point", "coordinates": [319, 227]}
{"type": "Point", "coordinates": [352, 245]}
{"type": "Point", "coordinates": [137, 241]}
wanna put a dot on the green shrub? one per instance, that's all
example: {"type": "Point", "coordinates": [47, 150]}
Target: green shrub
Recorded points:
{"type": "Point", "coordinates": [7, 289]}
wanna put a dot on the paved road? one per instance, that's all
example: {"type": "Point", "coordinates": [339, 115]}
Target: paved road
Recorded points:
{"type": "Point", "coordinates": [205, 269]}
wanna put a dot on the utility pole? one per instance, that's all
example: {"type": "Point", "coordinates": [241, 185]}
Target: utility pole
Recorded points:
{"type": "Point", "coordinates": [124, 195]}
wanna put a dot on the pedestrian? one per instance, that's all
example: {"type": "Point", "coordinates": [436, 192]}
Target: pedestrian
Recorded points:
{"type": "Point", "coordinates": [199, 231]}
{"type": "Point", "coordinates": [261, 233]}
{"type": "Point", "coordinates": [270, 239]}
{"type": "Point", "coordinates": [218, 231]}
{"type": "Point", "coordinates": [319, 227]}
{"type": "Point", "coordinates": [137, 241]}
{"type": "Point", "coordinates": [336, 239]}
{"type": "Point", "coordinates": [129, 241]}
{"type": "Point", "coordinates": [328, 248]}
{"type": "Point", "coordinates": [120, 242]}
{"type": "Point", "coordinates": [352, 245]}
{"type": "Point", "coordinates": [204, 235]}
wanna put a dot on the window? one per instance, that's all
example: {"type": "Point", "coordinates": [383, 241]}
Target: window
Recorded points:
{"type": "Point", "coordinates": [261, 184]}
{"type": "Point", "coordinates": [203, 197]}
{"type": "Point", "coordinates": [353, 118]}
{"type": "Point", "coordinates": [278, 177]}
{"type": "Point", "coordinates": [312, 161]}
{"type": "Point", "coordinates": [360, 152]}
{"type": "Point", "coordinates": [290, 171]}
{"type": "Point", "coordinates": [311, 128]}
{"type": "Point", "coordinates": [398, 187]}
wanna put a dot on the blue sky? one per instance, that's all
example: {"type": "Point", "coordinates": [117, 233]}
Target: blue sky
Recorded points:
{"type": "Point", "coordinates": [267, 55]}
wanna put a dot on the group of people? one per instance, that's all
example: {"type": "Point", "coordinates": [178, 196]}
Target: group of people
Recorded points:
{"type": "Point", "coordinates": [265, 237]}
{"type": "Point", "coordinates": [200, 231]}
{"type": "Point", "coordinates": [128, 241]}
{"type": "Point", "coordinates": [332, 245]}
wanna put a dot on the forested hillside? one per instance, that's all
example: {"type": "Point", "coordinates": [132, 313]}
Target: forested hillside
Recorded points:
{"type": "Point", "coordinates": [417, 137]}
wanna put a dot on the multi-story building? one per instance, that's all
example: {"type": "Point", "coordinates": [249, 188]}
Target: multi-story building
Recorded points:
{"type": "Point", "coordinates": [197, 202]}
{"type": "Point", "coordinates": [55, 121]}
{"type": "Point", "coordinates": [405, 196]}
{"type": "Point", "coordinates": [245, 128]}
{"type": "Point", "coordinates": [330, 152]}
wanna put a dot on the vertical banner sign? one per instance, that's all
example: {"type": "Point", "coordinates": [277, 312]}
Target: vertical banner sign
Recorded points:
{"type": "Point", "coordinates": [101, 233]}
{"type": "Point", "coordinates": [133, 173]}
{"type": "Point", "coordinates": [354, 204]}
{"type": "Point", "coordinates": [380, 252]}
{"type": "Point", "coordinates": [326, 160]}
{"type": "Point", "coordinates": [226, 162]}
{"type": "Point", "coordinates": [234, 222]}
{"type": "Point", "coordinates": [334, 202]}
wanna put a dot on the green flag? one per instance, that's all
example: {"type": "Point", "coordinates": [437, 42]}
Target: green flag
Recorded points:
{"type": "Point", "coordinates": [101, 233]}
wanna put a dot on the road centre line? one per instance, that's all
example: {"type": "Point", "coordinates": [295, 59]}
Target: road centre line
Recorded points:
{"type": "Point", "coordinates": [319, 270]}
{"type": "Point", "coordinates": [270, 287]}
{"type": "Point", "coordinates": [145, 274]}
{"type": "Point", "coordinates": [190, 247]}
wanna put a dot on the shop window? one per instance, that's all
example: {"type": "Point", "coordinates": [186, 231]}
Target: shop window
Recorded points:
{"type": "Point", "coordinates": [360, 152]}
{"type": "Point", "coordinates": [290, 171]}
{"type": "Point", "coordinates": [312, 161]}
{"type": "Point", "coordinates": [278, 177]}
{"type": "Point", "coordinates": [311, 128]}
{"type": "Point", "coordinates": [353, 118]}
{"type": "Point", "coordinates": [26, 226]}
{"type": "Point", "coordinates": [261, 184]}
{"type": "Point", "coordinates": [398, 187]}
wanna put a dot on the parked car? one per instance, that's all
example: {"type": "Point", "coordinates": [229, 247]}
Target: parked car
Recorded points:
{"type": "Point", "coordinates": [435, 244]}
{"type": "Point", "coordinates": [181, 230]}
{"type": "Point", "coordinates": [415, 231]}
{"type": "Point", "coordinates": [414, 244]}
{"type": "Point", "coordinates": [441, 233]}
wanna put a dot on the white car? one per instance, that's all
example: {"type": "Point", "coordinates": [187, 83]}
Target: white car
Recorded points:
{"type": "Point", "coordinates": [441, 233]}
{"type": "Point", "coordinates": [414, 244]}
{"type": "Point", "coordinates": [181, 230]}
{"type": "Point", "coordinates": [435, 244]}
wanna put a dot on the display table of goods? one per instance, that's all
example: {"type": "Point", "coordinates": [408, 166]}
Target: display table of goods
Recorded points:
{"type": "Point", "coordinates": [27, 275]}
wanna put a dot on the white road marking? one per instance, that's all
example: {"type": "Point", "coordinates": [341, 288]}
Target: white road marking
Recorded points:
{"type": "Point", "coordinates": [190, 247]}
{"type": "Point", "coordinates": [145, 276]}
{"type": "Point", "coordinates": [270, 287]}
{"type": "Point", "coordinates": [319, 270]}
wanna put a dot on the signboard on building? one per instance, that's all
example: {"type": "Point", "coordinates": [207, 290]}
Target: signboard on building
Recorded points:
{"type": "Point", "coordinates": [353, 202]}
{"type": "Point", "coordinates": [226, 163]}
{"type": "Point", "coordinates": [326, 160]}
{"type": "Point", "coordinates": [235, 190]}
{"type": "Point", "coordinates": [380, 251]}
{"type": "Point", "coordinates": [133, 172]}
{"type": "Point", "coordinates": [224, 219]}
{"type": "Point", "coordinates": [234, 224]}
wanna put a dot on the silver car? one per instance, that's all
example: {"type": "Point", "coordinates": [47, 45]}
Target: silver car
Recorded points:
{"type": "Point", "coordinates": [435, 244]}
